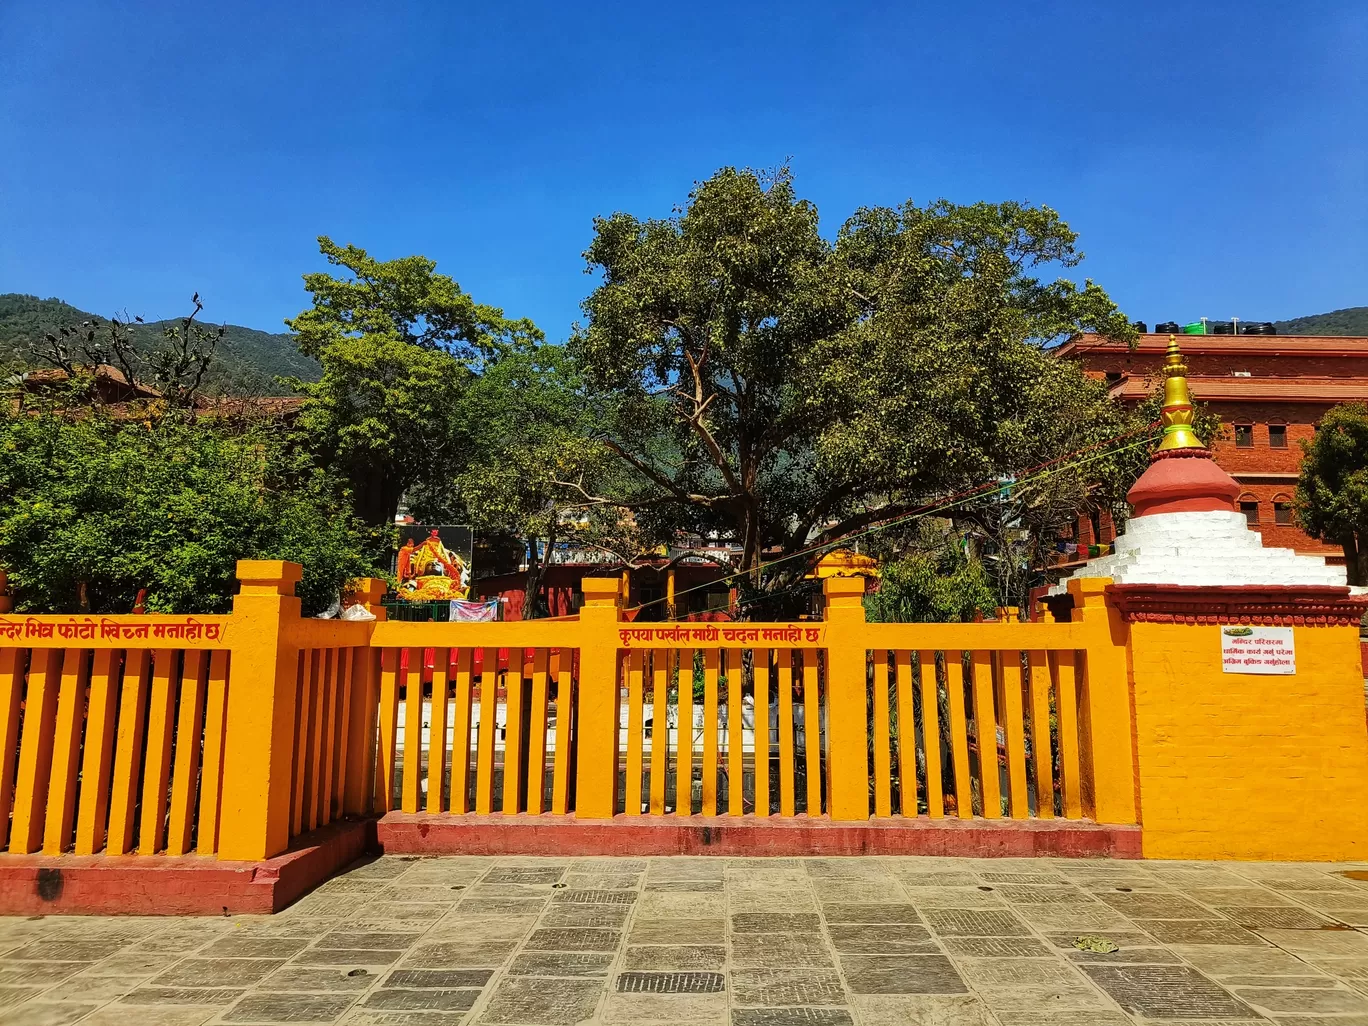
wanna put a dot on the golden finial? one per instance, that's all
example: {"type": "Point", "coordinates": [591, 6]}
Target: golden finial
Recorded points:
{"type": "Point", "coordinates": [1177, 413]}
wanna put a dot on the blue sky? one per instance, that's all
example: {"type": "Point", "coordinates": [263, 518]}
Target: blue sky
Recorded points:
{"type": "Point", "coordinates": [1213, 156]}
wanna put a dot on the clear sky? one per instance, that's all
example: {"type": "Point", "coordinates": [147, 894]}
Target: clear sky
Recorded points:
{"type": "Point", "coordinates": [1212, 155]}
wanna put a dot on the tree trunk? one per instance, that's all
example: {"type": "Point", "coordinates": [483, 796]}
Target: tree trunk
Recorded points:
{"type": "Point", "coordinates": [1355, 560]}
{"type": "Point", "coordinates": [536, 569]}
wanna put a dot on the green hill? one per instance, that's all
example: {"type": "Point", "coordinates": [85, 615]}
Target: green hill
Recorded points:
{"type": "Point", "coordinates": [247, 362]}
{"type": "Point", "coordinates": [1352, 320]}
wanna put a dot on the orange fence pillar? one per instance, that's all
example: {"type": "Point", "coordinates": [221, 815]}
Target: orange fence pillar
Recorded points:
{"type": "Point", "coordinates": [847, 719]}
{"type": "Point", "coordinates": [259, 751]}
{"type": "Point", "coordinates": [1104, 723]}
{"type": "Point", "coordinates": [359, 785]}
{"type": "Point", "coordinates": [596, 733]}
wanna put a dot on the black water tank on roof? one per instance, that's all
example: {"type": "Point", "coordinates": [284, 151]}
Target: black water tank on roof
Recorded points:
{"type": "Point", "coordinates": [1141, 327]}
{"type": "Point", "coordinates": [1220, 328]}
{"type": "Point", "coordinates": [1258, 328]}
{"type": "Point", "coordinates": [1167, 328]}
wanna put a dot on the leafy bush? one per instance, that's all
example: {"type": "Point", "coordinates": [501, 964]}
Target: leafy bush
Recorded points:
{"type": "Point", "coordinates": [94, 508]}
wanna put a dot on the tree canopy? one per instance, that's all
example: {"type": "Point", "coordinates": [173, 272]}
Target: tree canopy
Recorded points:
{"type": "Point", "coordinates": [95, 509]}
{"type": "Point", "coordinates": [399, 345]}
{"type": "Point", "coordinates": [1332, 490]}
{"type": "Point", "coordinates": [789, 390]}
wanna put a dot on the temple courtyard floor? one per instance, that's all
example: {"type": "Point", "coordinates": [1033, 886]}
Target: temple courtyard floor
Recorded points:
{"type": "Point", "coordinates": [747, 942]}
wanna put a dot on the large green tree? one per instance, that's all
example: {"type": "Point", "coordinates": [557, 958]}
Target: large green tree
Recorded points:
{"type": "Point", "coordinates": [789, 390]}
{"type": "Point", "coordinates": [400, 345]}
{"type": "Point", "coordinates": [1332, 491]}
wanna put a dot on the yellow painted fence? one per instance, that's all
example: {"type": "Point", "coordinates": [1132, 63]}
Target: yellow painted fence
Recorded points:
{"type": "Point", "coordinates": [232, 735]}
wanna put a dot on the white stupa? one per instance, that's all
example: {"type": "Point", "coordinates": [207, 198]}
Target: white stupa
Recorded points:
{"type": "Point", "coordinates": [1186, 529]}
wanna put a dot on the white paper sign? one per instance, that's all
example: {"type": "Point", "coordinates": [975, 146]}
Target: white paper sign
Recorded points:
{"type": "Point", "coordinates": [1258, 650]}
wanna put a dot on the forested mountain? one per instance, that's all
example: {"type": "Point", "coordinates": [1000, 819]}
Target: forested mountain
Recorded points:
{"type": "Point", "coordinates": [1351, 320]}
{"type": "Point", "coordinates": [247, 363]}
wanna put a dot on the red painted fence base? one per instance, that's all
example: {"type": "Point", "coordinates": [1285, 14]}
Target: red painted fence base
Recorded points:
{"type": "Point", "coordinates": [416, 834]}
{"type": "Point", "coordinates": [191, 885]}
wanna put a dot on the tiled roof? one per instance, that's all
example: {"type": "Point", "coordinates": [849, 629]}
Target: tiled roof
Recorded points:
{"type": "Point", "coordinates": [1232, 345]}
{"type": "Point", "coordinates": [1291, 390]}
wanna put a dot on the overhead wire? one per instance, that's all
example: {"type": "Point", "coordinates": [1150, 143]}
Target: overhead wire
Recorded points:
{"type": "Point", "coordinates": [1033, 474]}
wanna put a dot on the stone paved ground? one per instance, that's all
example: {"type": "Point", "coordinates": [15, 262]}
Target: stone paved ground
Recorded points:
{"type": "Point", "coordinates": [819, 942]}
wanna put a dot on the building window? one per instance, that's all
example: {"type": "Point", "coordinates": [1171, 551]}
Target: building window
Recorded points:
{"type": "Point", "coordinates": [1277, 436]}
{"type": "Point", "coordinates": [1251, 512]}
{"type": "Point", "coordinates": [1282, 513]}
{"type": "Point", "coordinates": [1244, 436]}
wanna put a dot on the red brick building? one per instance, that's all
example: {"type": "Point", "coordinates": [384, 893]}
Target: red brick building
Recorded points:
{"type": "Point", "coordinates": [1269, 392]}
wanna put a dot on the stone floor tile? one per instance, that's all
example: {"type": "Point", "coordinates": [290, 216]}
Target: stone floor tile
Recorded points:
{"type": "Point", "coordinates": [442, 979]}
{"type": "Point", "coordinates": [597, 916]}
{"type": "Point", "coordinates": [996, 947]}
{"type": "Point", "coordinates": [666, 1009]}
{"type": "Point", "coordinates": [779, 922]}
{"type": "Point", "coordinates": [1345, 968]}
{"type": "Point", "coordinates": [254, 947]}
{"type": "Point", "coordinates": [542, 1002]}
{"type": "Point", "coordinates": [1193, 931]}
{"type": "Point", "coordinates": [685, 885]}
{"type": "Point", "coordinates": [881, 939]}
{"type": "Point", "coordinates": [1078, 918]}
{"type": "Point", "coordinates": [780, 950]}
{"type": "Point", "coordinates": [537, 874]}
{"type": "Point", "coordinates": [927, 880]}
{"type": "Point", "coordinates": [600, 897]}
{"type": "Point", "coordinates": [132, 963]}
{"type": "Point", "coordinates": [217, 972]}
{"type": "Point", "coordinates": [604, 881]}
{"type": "Point", "coordinates": [96, 988]}
{"type": "Point", "coordinates": [1304, 982]}
{"type": "Point", "coordinates": [921, 1010]}
{"type": "Point", "coordinates": [1276, 917]}
{"type": "Point", "coordinates": [1219, 961]}
{"type": "Point", "coordinates": [349, 939]}
{"type": "Point", "coordinates": [611, 864]}
{"type": "Point", "coordinates": [274, 1008]}
{"type": "Point", "coordinates": [38, 973]}
{"type": "Point", "coordinates": [672, 931]}
{"type": "Point", "coordinates": [786, 987]}
{"type": "Point", "coordinates": [681, 905]}
{"type": "Point", "coordinates": [573, 939]}
{"type": "Point", "coordinates": [427, 1000]}
{"type": "Point", "coordinates": [667, 982]}
{"type": "Point", "coordinates": [675, 956]}
{"type": "Point", "coordinates": [37, 1014]}
{"type": "Point", "coordinates": [347, 956]}
{"type": "Point", "coordinates": [10, 996]}
{"type": "Point", "coordinates": [861, 892]}
{"type": "Point", "coordinates": [772, 901]}
{"type": "Point", "coordinates": [1218, 897]}
{"type": "Point", "coordinates": [1027, 877]}
{"type": "Point", "coordinates": [123, 1015]}
{"type": "Point", "coordinates": [901, 974]}
{"type": "Point", "coordinates": [1167, 992]}
{"type": "Point", "coordinates": [1317, 1001]}
{"type": "Point", "coordinates": [66, 950]}
{"type": "Point", "coordinates": [480, 928]}
{"type": "Point", "coordinates": [1337, 943]}
{"type": "Point", "coordinates": [149, 995]}
{"type": "Point", "coordinates": [685, 868]}
{"type": "Point", "coordinates": [838, 913]}
{"type": "Point", "coordinates": [426, 912]}
{"type": "Point", "coordinates": [383, 1017]}
{"type": "Point", "coordinates": [791, 1017]}
{"type": "Point", "coordinates": [1062, 1017]}
{"type": "Point", "coordinates": [975, 923]}
{"type": "Point", "coordinates": [314, 978]}
{"type": "Point", "coordinates": [561, 963]}
{"type": "Point", "coordinates": [478, 954]}
{"type": "Point", "coordinates": [954, 897]}
{"type": "Point", "coordinates": [1041, 894]}
{"type": "Point", "coordinates": [1155, 905]}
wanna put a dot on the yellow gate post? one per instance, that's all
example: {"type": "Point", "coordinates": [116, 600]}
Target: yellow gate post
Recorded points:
{"type": "Point", "coordinates": [259, 752]}
{"type": "Point", "coordinates": [596, 723]}
{"type": "Point", "coordinates": [847, 713]}
{"type": "Point", "coordinates": [1105, 720]}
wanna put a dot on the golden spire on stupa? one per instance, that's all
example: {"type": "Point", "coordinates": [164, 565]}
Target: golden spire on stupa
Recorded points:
{"type": "Point", "coordinates": [1177, 413]}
